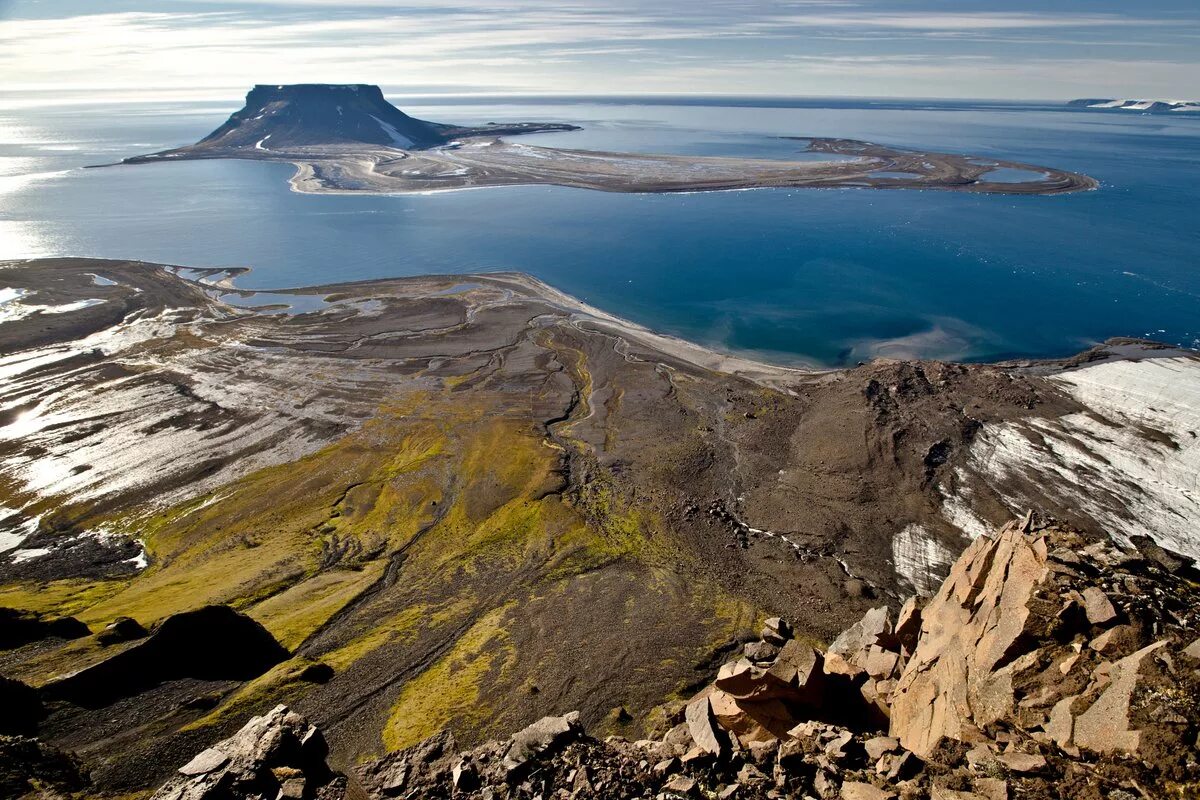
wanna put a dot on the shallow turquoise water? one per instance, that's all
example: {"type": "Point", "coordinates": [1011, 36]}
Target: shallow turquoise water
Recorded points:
{"type": "Point", "coordinates": [825, 276]}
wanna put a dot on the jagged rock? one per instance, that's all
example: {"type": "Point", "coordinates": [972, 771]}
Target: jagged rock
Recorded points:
{"type": "Point", "coordinates": [544, 736]}
{"type": "Point", "coordinates": [776, 631]}
{"type": "Point", "coordinates": [875, 628]}
{"type": "Point", "coordinates": [970, 630]}
{"type": "Point", "coordinates": [248, 764]}
{"type": "Point", "coordinates": [703, 728]}
{"type": "Point", "coordinates": [1105, 725]}
{"type": "Point", "coordinates": [1022, 762]}
{"type": "Point", "coordinates": [877, 746]}
{"type": "Point", "coordinates": [1169, 561]}
{"type": "Point", "coordinates": [759, 652]}
{"type": "Point", "coordinates": [908, 624]}
{"type": "Point", "coordinates": [1098, 607]}
{"type": "Point", "coordinates": [681, 784]}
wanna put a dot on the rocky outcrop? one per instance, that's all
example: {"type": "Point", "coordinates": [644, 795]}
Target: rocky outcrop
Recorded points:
{"type": "Point", "coordinates": [18, 627]}
{"type": "Point", "coordinates": [274, 757]}
{"type": "Point", "coordinates": [210, 643]}
{"type": "Point", "coordinates": [1046, 666]}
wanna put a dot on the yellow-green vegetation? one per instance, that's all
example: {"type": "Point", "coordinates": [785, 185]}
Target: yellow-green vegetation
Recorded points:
{"type": "Point", "coordinates": [450, 501]}
{"type": "Point", "coordinates": [450, 688]}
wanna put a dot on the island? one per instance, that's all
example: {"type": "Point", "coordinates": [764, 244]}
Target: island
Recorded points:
{"type": "Point", "coordinates": [349, 139]}
{"type": "Point", "coordinates": [1145, 106]}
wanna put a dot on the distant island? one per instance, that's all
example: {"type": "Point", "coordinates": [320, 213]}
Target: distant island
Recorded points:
{"type": "Point", "coordinates": [349, 139]}
{"type": "Point", "coordinates": [1138, 105]}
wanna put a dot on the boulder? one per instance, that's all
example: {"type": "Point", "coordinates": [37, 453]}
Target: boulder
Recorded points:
{"type": "Point", "coordinates": [1098, 607]}
{"type": "Point", "coordinates": [277, 755]}
{"type": "Point", "coordinates": [776, 631]}
{"type": "Point", "coordinates": [543, 737]}
{"type": "Point", "coordinates": [875, 628]}
{"type": "Point", "coordinates": [975, 626]}
{"type": "Point", "coordinates": [1105, 726]}
{"type": "Point", "coordinates": [703, 728]}
{"type": "Point", "coordinates": [121, 629]}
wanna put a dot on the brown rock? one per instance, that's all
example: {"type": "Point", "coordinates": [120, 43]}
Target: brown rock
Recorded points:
{"type": "Point", "coordinates": [751, 720]}
{"type": "Point", "coordinates": [977, 618]}
{"type": "Point", "coordinates": [879, 745]}
{"type": "Point", "coordinates": [875, 628]}
{"type": "Point", "coordinates": [881, 663]}
{"type": "Point", "coordinates": [908, 624]}
{"type": "Point", "coordinates": [760, 652]}
{"type": "Point", "coordinates": [728, 792]}
{"type": "Point", "coordinates": [680, 784]}
{"type": "Point", "coordinates": [1098, 607]}
{"type": "Point", "coordinates": [776, 631]}
{"type": "Point", "coordinates": [991, 788]}
{"type": "Point", "coordinates": [1105, 726]}
{"type": "Point", "coordinates": [857, 790]}
{"type": "Point", "coordinates": [544, 736]}
{"type": "Point", "coordinates": [1022, 762]}
{"type": "Point", "coordinates": [703, 729]}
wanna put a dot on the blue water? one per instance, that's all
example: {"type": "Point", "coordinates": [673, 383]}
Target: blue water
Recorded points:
{"type": "Point", "coordinates": [818, 276]}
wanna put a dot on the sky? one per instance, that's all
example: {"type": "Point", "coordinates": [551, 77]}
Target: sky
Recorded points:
{"type": "Point", "coordinates": [1003, 49]}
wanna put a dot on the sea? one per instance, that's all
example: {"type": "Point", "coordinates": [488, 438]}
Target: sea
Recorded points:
{"type": "Point", "coordinates": [820, 277]}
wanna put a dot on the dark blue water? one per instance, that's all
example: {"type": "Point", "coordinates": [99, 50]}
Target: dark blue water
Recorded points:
{"type": "Point", "coordinates": [826, 276]}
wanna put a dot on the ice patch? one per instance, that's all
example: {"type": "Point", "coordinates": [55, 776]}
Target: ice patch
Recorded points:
{"type": "Point", "coordinates": [956, 511]}
{"type": "Point", "coordinates": [920, 559]}
{"type": "Point", "coordinates": [1132, 462]}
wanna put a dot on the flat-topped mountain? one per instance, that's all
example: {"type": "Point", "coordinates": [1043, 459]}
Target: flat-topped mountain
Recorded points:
{"type": "Point", "coordinates": [320, 113]}
{"type": "Point", "coordinates": [285, 117]}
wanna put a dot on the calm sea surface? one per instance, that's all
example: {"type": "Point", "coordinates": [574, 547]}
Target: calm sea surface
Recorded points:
{"type": "Point", "coordinates": [818, 276]}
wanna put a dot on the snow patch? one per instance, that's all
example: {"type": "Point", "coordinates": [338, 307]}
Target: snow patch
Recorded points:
{"type": "Point", "coordinates": [920, 559]}
{"type": "Point", "coordinates": [398, 139]}
{"type": "Point", "coordinates": [1131, 462]}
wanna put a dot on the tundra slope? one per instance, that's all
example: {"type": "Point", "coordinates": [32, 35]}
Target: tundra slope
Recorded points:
{"type": "Point", "coordinates": [348, 139]}
{"type": "Point", "coordinates": [472, 501]}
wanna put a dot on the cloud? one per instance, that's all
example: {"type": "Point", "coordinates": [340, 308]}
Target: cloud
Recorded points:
{"type": "Point", "coordinates": [579, 46]}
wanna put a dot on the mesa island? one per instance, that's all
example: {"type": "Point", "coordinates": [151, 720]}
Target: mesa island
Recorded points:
{"type": "Point", "coordinates": [348, 138]}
